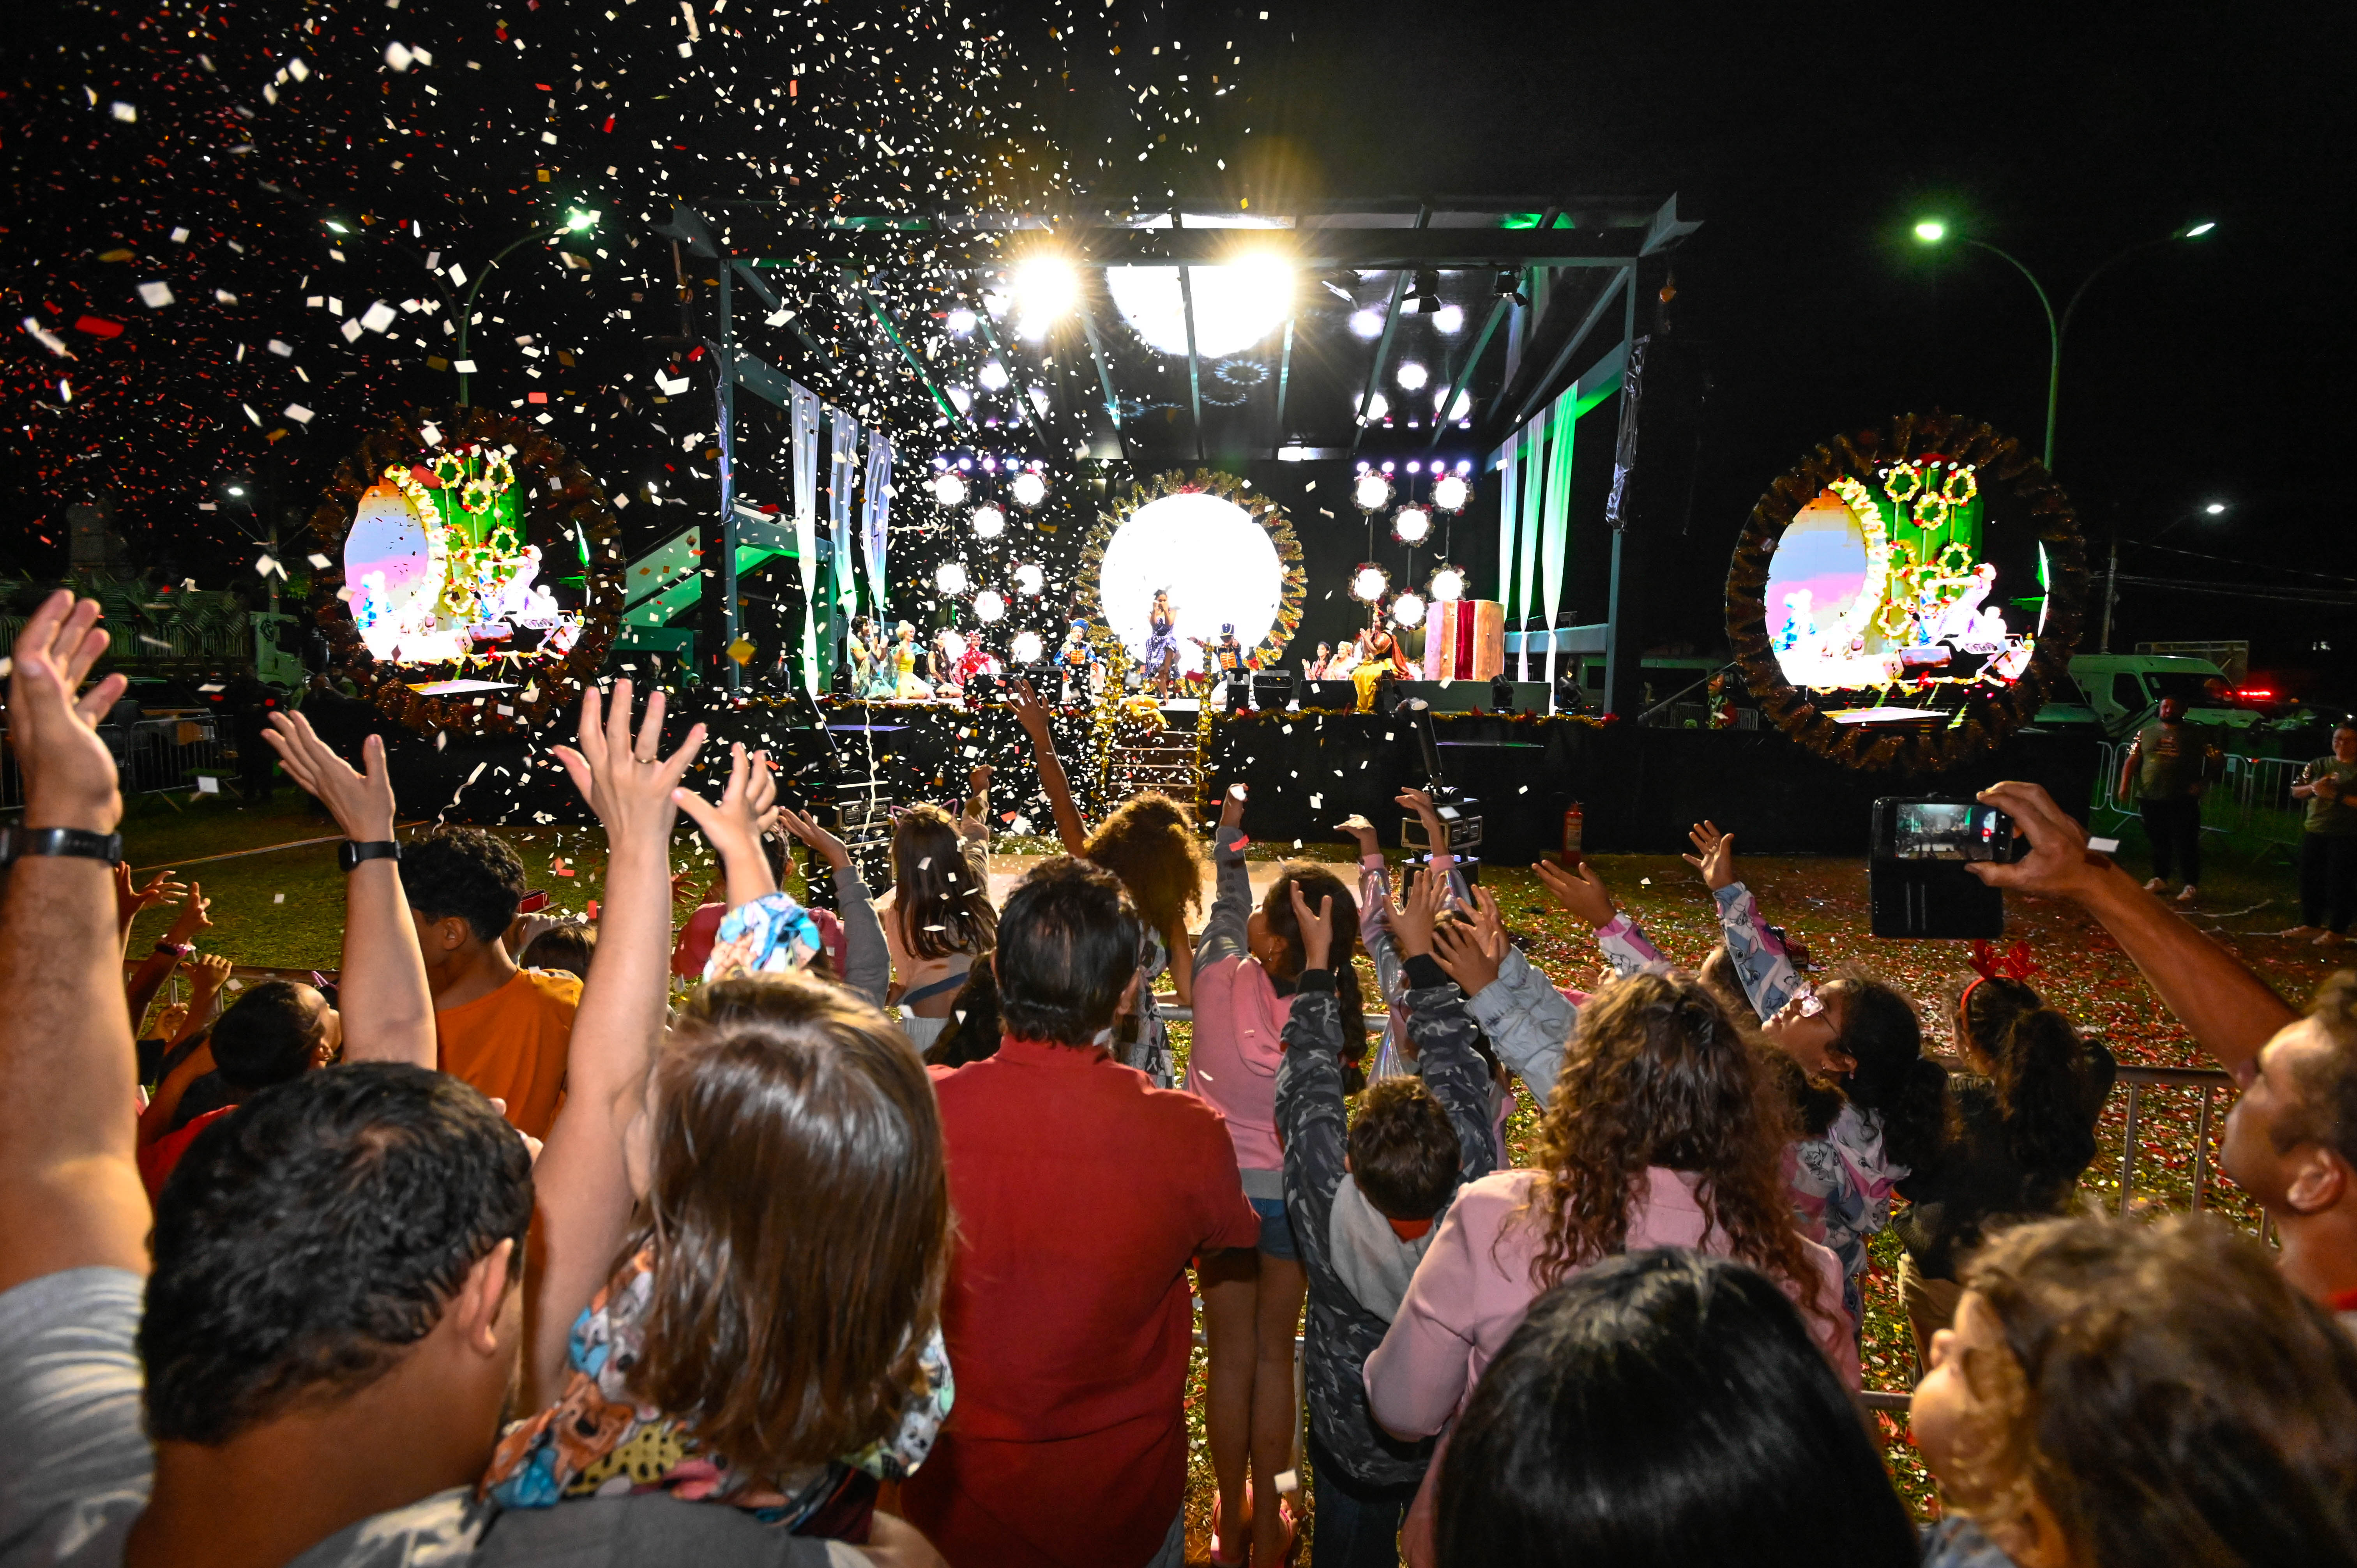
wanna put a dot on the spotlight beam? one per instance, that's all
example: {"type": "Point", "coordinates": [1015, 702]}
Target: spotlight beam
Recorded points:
{"type": "Point", "coordinates": [1465, 376]}
{"type": "Point", "coordinates": [1104, 380]}
{"type": "Point", "coordinates": [883, 319]}
{"type": "Point", "coordinates": [1542, 389]}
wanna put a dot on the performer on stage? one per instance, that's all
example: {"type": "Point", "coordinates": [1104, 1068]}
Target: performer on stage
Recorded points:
{"type": "Point", "coordinates": [1077, 660]}
{"type": "Point", "coordinates": [906, 687]}
{"type": "Point", "coordinates": [1379, 656]}
{"type": "Point", "coordinates": [1315, 669]}
{"type": "Point", "coordinates": [1226, 658]}
{"type": "Point", "coordinates": [945, 662]}
{"type": "Point", "coordinates": [1162, 646]}
{"type": "Point", "coordinates": [862, 650]}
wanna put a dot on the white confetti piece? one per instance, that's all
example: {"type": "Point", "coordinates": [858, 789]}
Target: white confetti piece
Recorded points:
{"type": "Point", "coordinates": [298, 413]}
{"type": "Point", "coordinates": [378, 317]}
{"type": "Point", "coordinates": [123, 111]}
{"type": "Point", "coordinates": [155, 296]}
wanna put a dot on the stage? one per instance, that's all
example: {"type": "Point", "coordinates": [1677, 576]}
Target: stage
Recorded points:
{"type": "Point", "coordinates": [1637, 789]}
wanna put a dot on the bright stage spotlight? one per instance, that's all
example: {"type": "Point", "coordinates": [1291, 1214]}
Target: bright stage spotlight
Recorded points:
{"type": "Point", "coordinates": [1411, 525]}
{"type": "Point", "coordinates": [1372, 492]}
{"type": "Point", "coordinates": [1408, 610]}
{"type": "Point", "coordinates": [1236, 304]}
{"type": "Point", "coordinates": [960, 321]}
{"type": "Point", "coordinates": [949, 488]}
{"type": "Point", "coordinates": [1412, 375]}
{"type": "Point", "coordinates": [950, 577]}
{"type": "Point", "coordinates": [1046, 290]}
{"type": "Point", "coordinates": [1025, 648]}
{"type": "Point", "coordinates": [988, 606]}
{"type": "Point", "coordinates": [988, 522]}
{"type": "Point", "coordinates": [961, 398]}
{"type": "Point", "coordinates": [1030, 580]}
{"type": "Point", "coordinates": [1447, 584]}
{"type": "Point", "coordinates": [1367, 322]}
{"type": "Point", "coordinates": [1463, 404]}
{"type": "Point", "coordinates": [1450, 318]}
{"type": "Point", "coordinates": [1379, 408]}
{"type": "Point", "coordinates": [1370, 583]}
{"type": "Point", "coordinates": [1027, 489]}
{"type": "Point", "coordinates": [991, 376]}
{"type": "Point", "coordinates": [1450, 493]}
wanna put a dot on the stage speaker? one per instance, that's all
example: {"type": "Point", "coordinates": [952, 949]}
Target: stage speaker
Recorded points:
{"type": "Point", "coordinates": [1330, 694]}
{"type": "Point", "coordinates": [1272, 688]}
{"type": "Point", "coordinates": [1660, 436]}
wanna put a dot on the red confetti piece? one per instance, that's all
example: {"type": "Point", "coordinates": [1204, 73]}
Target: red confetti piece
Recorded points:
{"type": "Point", "coordinates": [98, 326]}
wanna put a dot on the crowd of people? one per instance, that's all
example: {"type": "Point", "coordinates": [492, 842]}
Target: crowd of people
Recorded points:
{"type": "Point", "coordinates": [878, 1236]}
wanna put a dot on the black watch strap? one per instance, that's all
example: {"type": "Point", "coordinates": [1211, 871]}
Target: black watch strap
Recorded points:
{"type": "Point", "coordinates": [352, 854]}
{"type": "Point", "coordinates": [15, 842]}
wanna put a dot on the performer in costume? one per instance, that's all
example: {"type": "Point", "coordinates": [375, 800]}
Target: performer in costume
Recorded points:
{"type": "Point", "coordinates": [1076, 660]}
{"type": "Point", "coordinates": [945, 660]}
{"type": "Point", "coordinates": [1225, 658]}
{"type": "Point", "coordinates": [975, 660]}
{"type": "Point", "coordinates": [860, 647]}
{"type": "Point", "coordinates": [906, 687]}
{"type": "Point", "coordinates": [1379, 656]}
{"type": "Point", "coordinates": [1161, 659]}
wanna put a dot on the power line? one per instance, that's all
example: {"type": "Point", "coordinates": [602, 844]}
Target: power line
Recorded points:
{"type": "Point", "coordinates": [2270, 592]}
{"type": "Point", "coordinates": [2239, 561]}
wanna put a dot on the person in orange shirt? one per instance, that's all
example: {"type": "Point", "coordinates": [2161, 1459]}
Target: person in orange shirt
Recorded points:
{"type": "Point", "coordinates": [504, 1030]}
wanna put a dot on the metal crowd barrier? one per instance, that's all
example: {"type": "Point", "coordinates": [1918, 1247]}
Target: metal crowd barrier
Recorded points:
{"type": "Point", "coordinates": [155, 756]}
{"type": "Point", "coordinates": [2250, 806]}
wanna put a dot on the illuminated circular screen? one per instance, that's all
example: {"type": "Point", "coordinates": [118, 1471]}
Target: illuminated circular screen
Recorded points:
{"type": "Point", "coordinates": [1218, 564]}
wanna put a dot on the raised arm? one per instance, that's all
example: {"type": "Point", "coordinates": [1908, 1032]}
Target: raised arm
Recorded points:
{"type": "Point", "coordinates": [1760, 962]}
{"type": "Point", "coordinates": [67, 1073]}
{"type": "Point", "coordinates": [2230, 1010]}
{"type": "Point", "coordinates": [388, 1009]}
{"type": "Point", "coordinates": [1581, 891]}
{"type": "Point", "coordinates": [1310, 1119]}
{"type": "Point", "coordinates": [1033, 715]}
{"type": "Point", "coordinates": [583, 1182]}
{"type": "Point", "coordinates": [1223, 932]}
{"type": "Point", "coordinates": [866, 960]}
{"type": "Point", "coordinates": [1442, 1030]}
{"type": "Point", "coordinates": [1374, 898]}
{"type": "Point", "coordinates": [733, 826]}
{"type": "Point", "coordinates": [1529, 1022]}
{"type": "Point", "coordinates": [158, 967]}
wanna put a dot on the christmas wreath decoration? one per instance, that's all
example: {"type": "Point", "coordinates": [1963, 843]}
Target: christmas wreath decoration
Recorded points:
{"type": "Point", "coordinates": [1916, 623]}
{"type": "Point", "coordinates": [486, 492]}
{"type": "Point", "coordinates": [1270, 650]}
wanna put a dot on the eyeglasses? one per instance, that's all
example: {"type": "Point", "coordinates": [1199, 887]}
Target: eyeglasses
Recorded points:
{"type": "Point", "coordinates": [1806, 1001]}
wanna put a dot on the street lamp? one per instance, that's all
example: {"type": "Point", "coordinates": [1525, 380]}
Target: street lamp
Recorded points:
{"type": "Point", "coordinates": [2112, 573]}
{"type": "Point", "coordinates": [1932, 232]}
{"type": "Point", "coordinates": [575, 222]}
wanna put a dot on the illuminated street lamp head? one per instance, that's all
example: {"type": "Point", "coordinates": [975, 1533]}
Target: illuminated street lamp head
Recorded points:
{"type": "Point", "coordinates": [578, 222]}
{"type": "Point", "coordinates": [1931, 231]}
{"type": "Point", "coordinates": [2215, 509]}
{"type": "Point", "coordinates": [2195, 231]}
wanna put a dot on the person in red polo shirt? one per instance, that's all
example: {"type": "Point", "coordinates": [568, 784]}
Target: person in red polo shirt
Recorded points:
{"type": "Point", "coordinates": [1082, 1192]}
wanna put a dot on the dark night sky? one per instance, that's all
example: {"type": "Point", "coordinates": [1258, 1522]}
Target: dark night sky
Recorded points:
{"type": "Point", "coordinates": [1808, 139]}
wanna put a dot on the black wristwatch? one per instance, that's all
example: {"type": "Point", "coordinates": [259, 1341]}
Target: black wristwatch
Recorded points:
{"type": "Point", "coordinates": [15, 842]}
{"type": "Point", "coordinates": [352, 854]}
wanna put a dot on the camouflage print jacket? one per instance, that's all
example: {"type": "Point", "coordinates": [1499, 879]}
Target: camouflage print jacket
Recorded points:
{"type": "Point", "coordinates": [1310, 1119]}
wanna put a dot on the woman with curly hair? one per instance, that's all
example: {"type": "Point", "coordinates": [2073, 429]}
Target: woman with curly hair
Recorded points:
{"type": "Point", "coordinates": [2024, 1130]}
{"type": "Point", "coordinates": [1659, 1133]}
{"type": "Point", "coordinates": [939, 921]}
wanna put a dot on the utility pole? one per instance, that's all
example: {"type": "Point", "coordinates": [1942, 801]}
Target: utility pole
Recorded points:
{"type": "Point", "coordinates": [2111, 588]}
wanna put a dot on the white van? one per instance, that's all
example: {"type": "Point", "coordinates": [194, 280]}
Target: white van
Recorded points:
{"type": "Point", "coordinates": [2117, 694]}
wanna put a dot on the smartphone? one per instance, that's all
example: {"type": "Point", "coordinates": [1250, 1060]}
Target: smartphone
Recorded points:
{"type": "Point", "coordinates": [1917, 883]}
{"type": "Point", "coordinates": [1945, 830]}
{"type": "Point", "coordinates": [533, 903]}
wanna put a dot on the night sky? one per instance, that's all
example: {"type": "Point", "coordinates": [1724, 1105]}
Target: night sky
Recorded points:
{"type": "Point", "coordinates": [1807, 143]}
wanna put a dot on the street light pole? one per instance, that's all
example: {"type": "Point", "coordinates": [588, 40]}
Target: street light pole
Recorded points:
{"type": "Point", "coordinates": [575, 222]}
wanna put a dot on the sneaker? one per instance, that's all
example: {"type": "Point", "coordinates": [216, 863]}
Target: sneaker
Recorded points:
{"type": "Point", "coordinates": [2185, 896]}
{"type": "Point", "coordinates": [2154, 885]}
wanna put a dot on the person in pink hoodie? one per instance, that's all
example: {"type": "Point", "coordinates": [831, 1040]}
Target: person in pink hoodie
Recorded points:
{"type": "Point", "coordinates": [1245, 967]}
{"type": "Point", "coordinates": [1659, 1135]}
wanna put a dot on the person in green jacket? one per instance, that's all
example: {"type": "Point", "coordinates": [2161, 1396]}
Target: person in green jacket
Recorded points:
{"type": "Point", "coordinates": [2328, 848]}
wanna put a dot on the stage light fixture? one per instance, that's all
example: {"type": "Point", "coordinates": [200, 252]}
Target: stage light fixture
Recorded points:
{"type": "Point", "coordinates": [1447, 584]}
{"type": "Point", "coordinates": [960, 321]}
{"type": "Point", "coordinates": [2215, 508]}
{"type": "Point", "coordinates": [991, 376]}
{"type": "Point", "coordinates": [1372, 492]}
{"type": "Point", "coordinates": [2195, 231]}
{"type": "Point", "coordinates": [949, 488]}
{"type": "Point", "coordinates": [1450, 493]}
{"type": "Point", "coordinates": [1412, 375]}
{"type": "Point", "coordinates": [1046, 290]}
{"type": "Point", "coordinates": [1463, 407]}
{"type": "Point", "coordinates": [1370, 583]}
{"type": "Point", "coordinates": [1423, 293]}
{"type": "Point", "coordinates": [1508, 284]}
{"type": "Point", "coordinates": [950, 577]}
{"type": "Point", "coordinates": [1367, 322]}
{"type": "Point", "coordinates": [1379, 408]}
{"type": "Point", "coordinates": [1236, 304]}
{"type": "Point", "coordinates": [1411, 525]}
{"type": "Point", "coordinates": [989, 522]}
{"type": "Point", "coordinates": [961, 398]}
{"type": "Point", "coordinates": [1030, 580]}
{"type": "Point", "coordinates": [1408, 610]}
{"type": "Point", "coordinates": [1027, 489]}
{"type": "Point", "coordinates": [1450, 318]}
{"type": "Point", "coordinates": [988, 606]}
{"type": "Point", "coordinates": [1025, 648]}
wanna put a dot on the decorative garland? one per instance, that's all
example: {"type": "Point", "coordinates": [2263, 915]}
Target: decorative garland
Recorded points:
{"type": "Point", "coordinates": [1903, 455]}
{"type": "Point", "coordinates": [1269, 651]}
{"type": "Point", "coordinates": [554, 489]}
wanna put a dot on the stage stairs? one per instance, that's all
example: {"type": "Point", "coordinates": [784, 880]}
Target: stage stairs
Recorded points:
{"type": "Point", "coordinates": [1166, 762]}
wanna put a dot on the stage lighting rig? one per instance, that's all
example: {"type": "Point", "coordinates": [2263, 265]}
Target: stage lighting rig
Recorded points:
{"type": "Point", "coordinates": [989, 522]}
{"type": "Point", "coordinates": [1027, 489]}
{"type": "Point", "coordinates": [1424, 294]}
{"type": "Point", "coordinates": [1372, 491]}
{"type": "Point", "coordinates": [1447, 584]}
{"type": "Point", "coordinates": [1450, 492]}
{"type": "Point", "coordinates": [1412, 524]}
{"type": "Point", "coordinates": [1408, 610]}
{"type": "Point", "coordinates": [949, 488]}
{"type": "Point", "coordinates": [1370, 583]}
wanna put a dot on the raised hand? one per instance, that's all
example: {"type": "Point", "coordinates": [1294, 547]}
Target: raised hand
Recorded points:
{"type": "Point", "coordinates": [1411, 918]}
{"type": "Point", "coordinates": [733, 826]}
{"type": "Point", "coordinates": [830, 848]}
{"type": "Point", "coordinates": [1232, 806]}
{"type": "Point", "coordinates": [1579, 890]}
{"type": "Point", "coordinates": [207, 974]}
{"type": "Point", "coordinates": [1436, 833]}
{"type": "Point", "coordinates": [625, 778]}
{"type": "Point", "coordinates": [1316, 927]}
{"type": "Point", "coordinates": [2059, 865]}
{"type": "Point", "coordinates": [1030, 711]}
{"type": "Point", "coordinates": [1359, 828]}
{"type": "Point", "coordinates": [1472, 949]}
{"type": "Point", "coordinates": [1714, 855]}
{"type": "Point", "coordinates": [130, 900]}
{"type": "Point", "coordinates": [361, 803]}
{"type": "Point", "coordinates": [194, 915]}
{"type": "Point", "coordinates": [70, 778]}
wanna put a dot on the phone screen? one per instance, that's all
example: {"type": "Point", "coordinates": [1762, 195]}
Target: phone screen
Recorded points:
{"type": "Point", "coordinates": [1939, 830]}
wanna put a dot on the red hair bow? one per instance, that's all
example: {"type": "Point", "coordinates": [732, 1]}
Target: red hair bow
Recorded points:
{"type": "Point", "coordinates": [2015, 964]}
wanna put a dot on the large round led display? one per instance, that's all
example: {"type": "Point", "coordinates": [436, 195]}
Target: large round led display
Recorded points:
{"type": "Point", "coordinates": [394, 566]}
{"type": "Point", "coordinates": [1211, 556]}
{"type": "Point", "coordinates": [1236, 305]}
